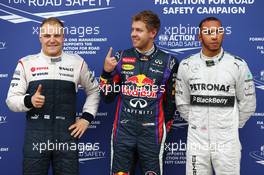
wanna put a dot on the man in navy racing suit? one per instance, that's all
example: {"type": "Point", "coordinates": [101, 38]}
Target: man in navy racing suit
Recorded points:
{"type": "Point", "coordinates": [143, 79]}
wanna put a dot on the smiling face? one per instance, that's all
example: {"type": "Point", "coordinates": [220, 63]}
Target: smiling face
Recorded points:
{"type": "Point", "coordinates": [141, 37]}
{"type": "Point", "coordinates": [211, 37]}
{"type": "Point", "coordinates": [51, 39]}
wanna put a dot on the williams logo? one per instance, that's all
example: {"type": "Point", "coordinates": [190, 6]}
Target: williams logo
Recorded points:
{"type": "Point", "coordinates": [17, 15]}
{"type": "Point", "coordinates": [258, 155]}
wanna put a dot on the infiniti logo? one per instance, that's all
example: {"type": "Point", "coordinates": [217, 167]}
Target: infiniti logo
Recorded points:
{"type": "Point", "coordinates": [158, 62]}
{"type": "Point", "coordinates": [138, 102]}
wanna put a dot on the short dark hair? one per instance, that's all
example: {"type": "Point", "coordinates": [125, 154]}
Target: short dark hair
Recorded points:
{"type": "Point", "coordinates": [150, 18]}
{"type": "Point", "coordinates": [52, 20]}
{"type": "Point", "coordinates": [211, 18]}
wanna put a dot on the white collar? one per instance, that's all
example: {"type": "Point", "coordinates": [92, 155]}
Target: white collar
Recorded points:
{"type": "Point", "coordinates": [51, 59]}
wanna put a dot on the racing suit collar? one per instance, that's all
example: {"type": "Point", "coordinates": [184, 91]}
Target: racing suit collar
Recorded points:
{"type": "Point", "coordinates": [51, 59]}
{"type": "Point", "coordinates": [147, 55]}
{"type": "Point", "coordinates": [148, 52]}
{"type": "Point", "coordinates": [211, 61]}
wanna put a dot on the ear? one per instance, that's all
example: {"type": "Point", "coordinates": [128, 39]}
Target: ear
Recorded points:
{"type": "Point", "coordinates": [40, 38]}
{"type": "Point", "coordinates": [200, 37]}
{"type": "Point", "coordinates": [153, 33]}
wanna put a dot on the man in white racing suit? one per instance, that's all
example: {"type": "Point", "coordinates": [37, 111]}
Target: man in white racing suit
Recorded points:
{"type": "Point", "coordinates": [215, 93]}
{"type": "Point", "coordinates": [45, 85]}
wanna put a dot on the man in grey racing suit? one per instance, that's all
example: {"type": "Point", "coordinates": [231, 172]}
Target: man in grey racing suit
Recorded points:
{"type": "Point", "coordinates": [215, 93]}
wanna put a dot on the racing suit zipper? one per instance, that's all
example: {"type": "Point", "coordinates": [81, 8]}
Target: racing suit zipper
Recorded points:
{"type": "Point", "coordinates": [208, 111]}
{"type": "Point", "coordinates": [53, 65]}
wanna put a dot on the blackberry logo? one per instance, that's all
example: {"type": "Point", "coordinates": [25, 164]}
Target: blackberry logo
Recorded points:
{"type": "Point", "coordinates": [194, 165]}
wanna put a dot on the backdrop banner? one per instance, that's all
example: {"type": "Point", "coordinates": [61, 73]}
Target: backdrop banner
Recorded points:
{"type": "Point", "coordinates": [91, 27]}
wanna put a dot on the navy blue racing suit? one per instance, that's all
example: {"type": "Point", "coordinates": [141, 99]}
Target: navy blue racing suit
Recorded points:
{"type": "Point", "coordinates": [144, 86]}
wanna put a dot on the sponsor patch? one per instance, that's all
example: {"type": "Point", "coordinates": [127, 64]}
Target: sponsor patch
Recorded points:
{"type": "Point", "coordinates": [129, 60]}
{"type": "Point", "coordinates": [128, 67]}
{"type": "Point", "coordinates": [220, 101]}
{"type": "Point", "coordinates": [33, 69]}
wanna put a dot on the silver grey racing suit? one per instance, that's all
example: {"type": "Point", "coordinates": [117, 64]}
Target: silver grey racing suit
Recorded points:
{"type": "Point", "coordinates": [216, 96]}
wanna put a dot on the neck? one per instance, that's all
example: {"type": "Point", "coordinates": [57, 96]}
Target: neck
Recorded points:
{"type": "Point", "coordinates": [210, 53]}
{"type": "Point", "coordinates": [55, 55]}
{"type": "Point", "coordinates": [147, 50]}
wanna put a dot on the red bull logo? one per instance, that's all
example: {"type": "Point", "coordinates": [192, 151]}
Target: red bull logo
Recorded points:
{"type": "Point", "coordinates": [140, 80]}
